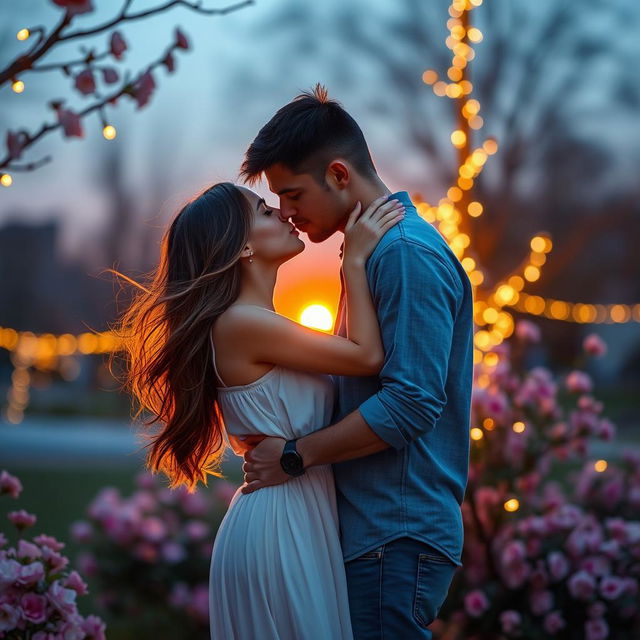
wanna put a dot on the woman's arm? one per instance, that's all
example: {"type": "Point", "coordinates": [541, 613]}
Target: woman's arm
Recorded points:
{"type": "Point", "coordinates": [267, 337]}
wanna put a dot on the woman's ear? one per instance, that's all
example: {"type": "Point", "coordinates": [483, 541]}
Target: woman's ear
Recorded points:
{"type": "Point", "coordinates": [247, 253]}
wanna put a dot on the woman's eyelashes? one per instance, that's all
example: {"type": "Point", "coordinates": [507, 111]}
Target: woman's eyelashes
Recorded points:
{"type": "Point", "coordinates": [268, 212]}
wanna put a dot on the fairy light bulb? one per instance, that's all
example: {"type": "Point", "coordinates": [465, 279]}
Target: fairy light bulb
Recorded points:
{"type": "Point", "coordinates": [109, 132]}
{"type": "Point", "coordinates": [17, 86]}
{"type": "Point", "coordinates": [23, 34]}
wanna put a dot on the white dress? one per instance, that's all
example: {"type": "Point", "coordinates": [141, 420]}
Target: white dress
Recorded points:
{"type": "Point", "coordinates": [277, 570]}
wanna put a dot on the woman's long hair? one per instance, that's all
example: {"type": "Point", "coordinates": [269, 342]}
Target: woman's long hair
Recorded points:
{"type": "Point", "coordinates": [165, 333]}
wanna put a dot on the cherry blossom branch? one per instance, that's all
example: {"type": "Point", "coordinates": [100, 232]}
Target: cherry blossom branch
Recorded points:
{"type": "Point", "coordinates": [25, 62]}
{"type": "Point", "coordinates": [122, 17]}
{"type": "Point", "coordinates": [140, 89]}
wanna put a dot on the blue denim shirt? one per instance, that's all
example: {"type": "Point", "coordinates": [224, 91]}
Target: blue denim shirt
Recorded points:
{"type": "Point", "coordinates": [420, 402]}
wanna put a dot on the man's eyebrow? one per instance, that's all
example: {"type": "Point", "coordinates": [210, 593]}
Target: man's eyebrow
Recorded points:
{"type": "Point", "coordinates": [289, 190]}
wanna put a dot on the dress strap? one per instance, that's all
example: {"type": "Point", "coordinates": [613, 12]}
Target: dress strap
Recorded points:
{"type": "Point", "coordinates": [213, 359]}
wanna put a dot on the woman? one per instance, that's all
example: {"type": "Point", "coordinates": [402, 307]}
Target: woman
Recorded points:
{"type": "Point", "coordinates": [209, 357]}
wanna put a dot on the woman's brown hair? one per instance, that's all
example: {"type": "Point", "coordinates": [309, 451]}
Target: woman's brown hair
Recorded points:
{"type": "Point", "coordinates": [165, 332]}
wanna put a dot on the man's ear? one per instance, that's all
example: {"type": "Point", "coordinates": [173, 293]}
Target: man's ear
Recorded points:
{"type": "Point", "coordinates": [338, 174]}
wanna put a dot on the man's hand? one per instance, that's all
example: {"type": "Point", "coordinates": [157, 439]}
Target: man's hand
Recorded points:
{"type": "Point", "coordinates": [262, 465]}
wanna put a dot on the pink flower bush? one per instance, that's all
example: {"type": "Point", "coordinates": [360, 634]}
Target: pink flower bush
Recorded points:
{"type": "Point", "coordinates": [37, 597]}
{"type": "Point", "coordinates": [552, 536]}
{"type": "Point", "coordinates": [150, 552]}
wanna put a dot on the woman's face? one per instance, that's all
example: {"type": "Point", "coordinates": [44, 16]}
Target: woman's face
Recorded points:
{"type": "Point", "coordinates": [272, 239]}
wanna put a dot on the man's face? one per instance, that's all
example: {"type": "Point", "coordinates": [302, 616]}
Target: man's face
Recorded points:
{"type": "Point", "coordinates": [315, 209]}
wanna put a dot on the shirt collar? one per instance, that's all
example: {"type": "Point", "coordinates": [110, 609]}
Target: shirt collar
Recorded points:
{"type": "Point", "coordinates": [402, 196]}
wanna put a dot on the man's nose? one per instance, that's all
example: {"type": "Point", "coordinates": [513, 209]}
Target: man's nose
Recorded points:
{"type": "Point", "coordinates": [286, 213]}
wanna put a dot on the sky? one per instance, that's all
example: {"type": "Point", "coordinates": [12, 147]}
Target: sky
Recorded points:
{"type": "Point", "coordinates": [241, 69]}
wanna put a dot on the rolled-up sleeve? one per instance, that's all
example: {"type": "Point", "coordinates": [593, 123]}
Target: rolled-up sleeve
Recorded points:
{"type": "Point", "coordinates": [417, 296]}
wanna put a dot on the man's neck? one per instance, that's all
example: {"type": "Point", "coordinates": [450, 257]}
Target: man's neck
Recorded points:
{"type": "Point", "coordinates": [366, 193]}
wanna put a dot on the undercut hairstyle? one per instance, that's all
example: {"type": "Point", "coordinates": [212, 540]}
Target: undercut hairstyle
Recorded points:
{"type": "Point", "coordinates": [305, 136]}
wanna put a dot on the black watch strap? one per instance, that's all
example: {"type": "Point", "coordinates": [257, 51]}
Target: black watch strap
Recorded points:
{"type": "Point", "coordinates": [291, 461]}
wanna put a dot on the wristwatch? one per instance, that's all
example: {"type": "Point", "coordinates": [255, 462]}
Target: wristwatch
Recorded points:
{"type": "Point", "coordinates": [290, 460]}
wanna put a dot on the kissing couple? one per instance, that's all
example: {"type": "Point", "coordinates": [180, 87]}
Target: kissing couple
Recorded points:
{"type": "Point", "coordinates": [356, 444]}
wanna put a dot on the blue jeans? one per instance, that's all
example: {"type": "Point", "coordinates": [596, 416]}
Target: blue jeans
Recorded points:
{"type": "Point", "coordinates": [396, 590]}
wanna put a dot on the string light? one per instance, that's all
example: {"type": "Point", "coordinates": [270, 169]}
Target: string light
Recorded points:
{"type": "Point", "coordinates": [600, 465]}
{"type": "Point", "coordinates": [512, 505]}
{"type": "Point", "coordinates": [44, 352]}
{"type": "Point", "coordinates": [17, 86]}
{"type": "Point", "coordinates": [6, 180]}
{"type": "Point", "coordinates": [109, 132]}
{"type": "Point", "coordinates": [23, 34]}
{"type": "Point", "coordinates": [452, 214]}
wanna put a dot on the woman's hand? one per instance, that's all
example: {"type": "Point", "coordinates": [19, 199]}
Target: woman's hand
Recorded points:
{"type": "Point", "coordinates": [363, 232]}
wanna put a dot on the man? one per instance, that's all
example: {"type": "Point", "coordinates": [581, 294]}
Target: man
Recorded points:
{"type": "Point", "coordinates": [399, 442]}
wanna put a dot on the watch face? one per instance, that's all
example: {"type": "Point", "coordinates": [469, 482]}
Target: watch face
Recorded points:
{"type": "Point", "coordinates": [291, 462]}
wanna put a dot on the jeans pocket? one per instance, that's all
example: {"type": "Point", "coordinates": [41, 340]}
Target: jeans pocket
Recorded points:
{"type": "Point", "coordinates": [435, 573]}
{"type": "Point", "coordinates": [374, 554]}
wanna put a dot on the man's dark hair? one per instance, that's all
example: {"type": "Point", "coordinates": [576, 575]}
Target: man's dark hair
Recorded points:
{"type": "Point", "coordinates": [304, 136]}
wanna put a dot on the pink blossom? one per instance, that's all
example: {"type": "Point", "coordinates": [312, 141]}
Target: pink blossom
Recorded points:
{"type": "Point", "coordinates": [22, 519]}
{"type": "Point", "coordinates": [30, 574]}
{"type": "Point", "coordinates": [181, 40]}
{"type": "Point", "coordinates": [109, 75]}
{"type": "Point", "coordinates": [153, 529]}
{"type": "Point", "coordinates": [117, 45]}
{"type": "Point", "coordinates": [596, 629]}
{"type": "Point", "coordinates": [144, 500]}
{"type": "Point", "coordinates": [476, 603]}
{"type": "Point", "coordinates": [94, 627]}
{"type": "Point", "coordinates": [85, 83]}
{"type": "Point", "coordinates": [70, 122]}
{"type": "Point", "coordinates": [55, 560]}
{"type": "Point", "coordinates": [49, 541]}
{"type": "Point", "coordinates": [9, 617]}
{"type": "Point", "coordinates": [611, 587]}
{"type": "Point", "coordinates": [71, 629]}
{"type": "Point", "coordinates": [75, 7]}
{"type": "Point", "coordinates": [527, 331]}
{"type": "Point", "coordinates": [62, 598]}
{"type": "Point", "coordinates": [594, 345]}
{"type": "Point", "coordinates": [582, 585]}
{"type": "Point", "coordinates": [540, 601]}
{"type": "Point", "coordinates": [169, 62]}
{"type": "Point", "coordinates": [9, 571]}
{"type": "Point", "coordinates": [606, 430]}
{"type": "Point", "coordinates": [3, 539]}
{"type": "Point", "coordinates": [143, 89]}
{"type": "Point", "coordinates": [75, 582]}
{"type": "Point", "coordinates": [196, 530]}
{"type": "Point", "coordinates": [173, 552]}
{"type": "Point", "coordinates": [579, 382]}
{"type": "Point", "coordinates": [81, 531]}
{"type": "Point", "coordinates": [510, 620]}
{"type": "Point", "coordinates": [34, 607]}
{"type": "Point", "coordinates": [558, 565]}
{"type": "Point", "coordinates": [554, 622]}
{"type": "Point", "coordinates": [15, 144]}
{"type": "Point", "coordinates": [28, 550]}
